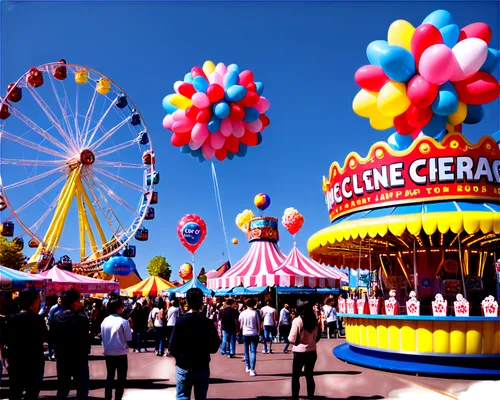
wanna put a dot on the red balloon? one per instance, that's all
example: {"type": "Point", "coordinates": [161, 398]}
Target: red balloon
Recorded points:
{"type": "Point", "coordinates": [197, 71]}
{"type": "Point", "coordinates": [220, 154]}
{"type": "Point", "coordinates": [179, 139]}
{"type": "Point", "coordinates": [252, 87]}
{"type": "Point", "coordinates": [420, 92]}
{"type": "Point", "coordinates": [418, 117]}
{"type": "Point", "coordinates": [250, 138]}
{"type": "Point", "coordinates": [371, 78]}
{"type": "Point", "coordinates": [402, 126]}
{"type": "Point", "coordinates": [215, 93]}
{"type": "Point", "coordinates": [250, 100]}
{"type": "Point", "coordinates": [187, 90]}
{"type": "Point", "coordinates": [232, 144]}
{"type": "Point", "coordinates": [204, 116]}
{"type": "Point", "coordinates": [192, 112]}
{"type": "Point", "coordinates": [236, 113]}
{"type": "Point", "coordinates": [478, 30]}
{"type": "Point", "coordinates": [424, 37]}
{"type": "Point", "coordinates": [192, 231]}
{"type": "Point", "coordinates": [480, 88]}
{"type": "Point", "coordinates": [265, 120]}
{"type": "Point", "coordinates": [246, 77]}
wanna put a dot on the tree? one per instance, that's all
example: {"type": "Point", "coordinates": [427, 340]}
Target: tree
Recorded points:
{"type": "Point", "coordinates": [10, 255]}
{"type": "Point", "coordinates": [158, 266]}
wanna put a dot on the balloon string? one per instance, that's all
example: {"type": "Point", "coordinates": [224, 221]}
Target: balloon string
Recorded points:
{"type": "Point", "coordinates": [219, 210]}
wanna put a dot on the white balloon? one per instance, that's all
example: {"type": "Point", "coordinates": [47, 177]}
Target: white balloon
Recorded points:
{"type": "Point", "coordinates": [470, 55]}
{"type": "Point", "coordinates": [176, 86]}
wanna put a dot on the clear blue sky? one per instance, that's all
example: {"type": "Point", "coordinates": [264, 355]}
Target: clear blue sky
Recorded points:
{"type": "Point", "coordinates": [306, 54]}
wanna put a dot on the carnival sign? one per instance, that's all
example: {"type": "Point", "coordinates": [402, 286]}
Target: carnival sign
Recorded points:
{"type": "Point", "coordinates": [428, 171]}
{"type": "Point", "coordinates": [264, 228]}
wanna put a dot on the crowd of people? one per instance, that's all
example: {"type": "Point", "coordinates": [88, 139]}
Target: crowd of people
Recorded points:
{"type": "Point", "coordinates": [187, 329]}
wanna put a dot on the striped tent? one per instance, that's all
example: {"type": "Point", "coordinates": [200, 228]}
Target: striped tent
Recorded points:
{"type": "Point", "coordinates": [152, 286]}
{"type": "Point", "coordinates": [62, 280]}
{"type": "Point", "coordinates": [11, 279]}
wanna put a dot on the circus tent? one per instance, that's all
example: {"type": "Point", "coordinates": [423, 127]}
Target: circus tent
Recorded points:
{"type": "Point", "coordinates": [152, 286]}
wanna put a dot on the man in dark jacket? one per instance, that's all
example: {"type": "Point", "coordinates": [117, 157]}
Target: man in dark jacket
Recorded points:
{"type": "Point", "coordinates": [229, 323]}
{"type": "Point", "coordinates": [193, 340]}
{"type": "Point", "coordinates": [72, 345]}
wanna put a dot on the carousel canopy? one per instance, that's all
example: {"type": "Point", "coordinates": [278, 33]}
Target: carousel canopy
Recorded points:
{"type": "Point", "coordinates": [10, 279]}
{"type": "Point", "coordinates": [193, 283]}
{"type": "Point", "coordinates": [62, 280]}
{"type": "Point", "coordinates": [152, 286]}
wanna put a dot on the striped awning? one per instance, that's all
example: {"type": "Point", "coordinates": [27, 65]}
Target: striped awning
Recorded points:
{"type": "Point", "coordinates": [152, 286]}
{"type": "Point", "coordinates": [11, 279]}
{"type": "Point", "coordinates": [62, 280]}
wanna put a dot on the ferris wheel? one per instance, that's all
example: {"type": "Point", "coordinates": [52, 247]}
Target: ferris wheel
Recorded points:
{"type": "Point", "coordinates": [77, 167]}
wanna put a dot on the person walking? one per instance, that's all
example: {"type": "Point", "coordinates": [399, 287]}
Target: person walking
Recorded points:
{"type": "Point", "coordinates": [193, 339]}
{"type": "Point", "coordinates": [72, 345]}
{"type": "Point", "coordinates": [284, 326]}
{"type": "Point", "coordinates": [250, 327]}
{"type": "Point", "coordinates": [330, 317]}
{"type": "Point", "coordinates": [139, 327]}
{"type": "Point", "coordinates": [54, 310]}
{"type": "Point", "coordinates": [229, 323]}
{"type": "Point", "coordinates": [304, 335]}
{"type": "Point", "coordinates": [269, 318]}
{"type": "Point", "coordinates": [115, 332]}
{"type": "Point", "coordinates": [173, 314]}
{"type": "Point", "coordinates": [158, 316]}
{"type": "Point", "coordinates": [24, 335]}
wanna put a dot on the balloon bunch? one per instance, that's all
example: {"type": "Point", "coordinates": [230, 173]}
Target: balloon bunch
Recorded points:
{"type": "Point", "coordinates": [186, 272]}
{"type": "Point", "coordinates": [292, 220]}
{"type": "Point", "coordinates": [192, 231]}
{"type": "Point", "coordinates": [217, 111]}
{"type": "Point", "coordinates": [427, 80]}
{"type": "Point", "coordinates": [243, 220]}
{"type": "Point", "coordinates": [262, 201]}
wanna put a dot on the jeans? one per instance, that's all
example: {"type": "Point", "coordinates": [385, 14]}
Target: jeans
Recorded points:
{"type": "Point", "coordinates": [186, 379]}
{"type": "Point", "coordinates": [306, 361]}
{"type": "Point", "coordinates": [284, 332]}
{"type": "Point", "coordinates": [137, 340]}
{"type": "Point", "coordinates": [269, 334]}
{"type": "Point", "coordinates": [78, 369]}
{"type": "Point", "coordinates": [159, 339]}
{"type": "Point", "coordinates": [26, 375]}
{"type": "Point", "coordinates": [116, 365]}
{"type": "Point", "coordinates": [228, 340]}
{"type": "Point", "coordinates": [332, 328]}
{"type": "Point", "coordinates": [250, 346]}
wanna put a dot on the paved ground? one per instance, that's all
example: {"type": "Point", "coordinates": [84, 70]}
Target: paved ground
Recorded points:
{"type": "Point", "coordinates": [152, 378]}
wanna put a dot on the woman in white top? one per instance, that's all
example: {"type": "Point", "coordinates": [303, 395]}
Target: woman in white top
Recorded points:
{"type": "Point", "coordinates": [158, 316]}
{"type": "Point", "coordinates": [173, 313]}
{"type": "Point", "coordinates": [250, 327]}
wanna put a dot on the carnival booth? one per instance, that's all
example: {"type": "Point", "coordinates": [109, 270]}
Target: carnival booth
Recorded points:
{"type": "Point", "coordinates": [182, 290]}
{"type": "Point", "coordinates": [423, 209]}
{"type": "Point", "coordinates": [61, 280]}
{"type": "Point", "coordinates": [12, 280]}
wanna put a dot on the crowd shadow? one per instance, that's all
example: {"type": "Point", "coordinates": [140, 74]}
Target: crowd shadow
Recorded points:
{"type": "Point", "coordinates": [315, 373]}
{"type": "Point", "coordinates": [219, 381]}
{"type": "Point", "coordinates": [375, 397]}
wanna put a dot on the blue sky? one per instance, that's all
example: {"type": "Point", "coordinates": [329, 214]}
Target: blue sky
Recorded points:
{"type": "Point", "coordinates": [306, 53]}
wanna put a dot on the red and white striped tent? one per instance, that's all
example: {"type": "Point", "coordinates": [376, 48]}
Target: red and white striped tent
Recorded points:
{"type": "Point", "coordinates": [298, 270]}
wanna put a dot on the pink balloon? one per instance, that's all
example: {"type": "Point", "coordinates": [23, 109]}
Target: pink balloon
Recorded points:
{"type": "Point", "coordinates": [168, 121]}
{"type": "Point", "coordinates": [470, 55]}
{"type": "Point", "coordinates": [176, 86]}
{"type": "Point", "coordinates": [194, 145]}
{"type": "Point", "coordinates": [201, 100]}
{"type": "Point", "coordinates": [217, 140]}
{"type": "Point", "coordinates": [238, 128]}
{"type": "Point", "coordinates": [179, 115]}
{"type": "Point", "coordinates": [255, 126]}
{"type": "Point", "coordinates": [221, 69]}
{"type": "Point", "coordinates": [199, 132]}
{"type": "Point", "coordinates": [436, 64]}
{"type": "Point", "coordinates": [263, 105]}
{"type": "Point", "coordinates": [183, 126]}
{"type": "Point", "coordinates": [215, 78]}
{"type": "Point", "coordinates": [208, 151]}
{"type": "Point", "coordinates": [226, 127]}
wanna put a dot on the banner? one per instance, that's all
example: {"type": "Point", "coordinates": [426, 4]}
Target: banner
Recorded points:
{"type": "Point", "coordinates": [428, 171]}
{"type": "Point", "coordinates": [263, 228]}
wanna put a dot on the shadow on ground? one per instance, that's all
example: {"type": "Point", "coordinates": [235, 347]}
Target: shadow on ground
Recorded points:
{"type": "Point", "coordinates": [316, 373]}
{"type": "Point", "coordinates": [315, 397]}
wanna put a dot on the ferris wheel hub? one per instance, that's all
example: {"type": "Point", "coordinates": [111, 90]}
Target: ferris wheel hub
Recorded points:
{"type": "Point", "coordinates": [87, 157]}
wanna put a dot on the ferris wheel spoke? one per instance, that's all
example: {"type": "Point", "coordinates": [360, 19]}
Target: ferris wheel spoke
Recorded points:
{"type": "Point", "coordinates": [34, 228]}
{"type": "Point", "coordinates": [63, 109]}
{"type": "Point", "coordinates": [30, 144]}
{"type": "Point", "coordinates": [76, 115]}
{"type": "Point", "coordinates": [108, 134]}
{"type": "Point", "coordinates": [114, 149]}
{"type": "Point", "coordinates": [88, 116]}
{"type": "Point", "coordinates": [99, 123]}
{"type": "Point", "coordinates": [119, 164]}
{"type": "Point", "coordinates": [35, 178]}
{"type": "Point", "coordinates": [47, 136]}
{"type": "Point", "coordinates": [31, 163]}
{"type": "Point", "coordinates": [119, 179]}
{"type": "Point", "coordinates": [52, 118]}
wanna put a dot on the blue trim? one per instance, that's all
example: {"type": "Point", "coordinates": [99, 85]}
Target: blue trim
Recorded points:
{"type": "Point", "coordinates": [420, 317]}
{"type": "Point", "coordinates": [477, 368]}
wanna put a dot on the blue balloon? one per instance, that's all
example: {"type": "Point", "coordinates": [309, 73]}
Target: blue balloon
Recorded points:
{"type": "Point", "coordinates": [188, 78]}
{"type": "Point", "coordinates": [440, 136]}
{"type": "Point", "coordinates": [235, 93]}
{"type": "Point", "coordinates": [221, 109]}
{"type": "Point", "coordinates": [398, 63]}
{"type": "Point", "coordinates": [196, 153]}
{"type": "Point", "coordinates": [446, 102]}
{"type": "Point", "coordinates": [450, 34]}
{"type": "Point", "coordinates": [436, 126]}
{"type": "Point", "coordinates": [242, 151]}
{"type": "Point", "coordinates": [474, 114]}
{"type": "Point", "coordinates": [167, 106]}
{"type": "Point", "coordinates": [259, 88]}
{"type": "Point", "coordinates": [259, 138]}
{"type": "Point", "coordinates": [230, 79]}
{"type": "Point", "coordinates": [399, 142]}
{"type": "Point", "coordinates": [201, 159]}
{"type": "Point", "coordinates": [234, 67]}
{"type": "Point", "coordinates": [251, 114]}
{"type": "Point", "coordinates": [200, 84]}
{"type": "Point", "coordinates": [439, 18]}
{"type": "Point", "coordinates": [185, 149]}
{"type": "Point", "coordinates": [119, 265]}
{"type": "Point", "coordinates": [375, 49]}
{"type": "Point", "coordinates": [214, 124]}
{"type": "Point", "coordinates": [492, 61]}
{"type": "Point", "coordinates": [230, 156]}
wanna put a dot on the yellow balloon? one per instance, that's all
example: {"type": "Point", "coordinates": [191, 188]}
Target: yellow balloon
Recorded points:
{"type": "Point", "coordinates": [208, 67]}
{"type": "Point", "coordinates": [400, 34]}
{"type": "Point", "coordinates": [458, 116]}
{"type": "Point", "coordinates": [180, 101]}
{"type": "Point", "coordinates": [365, 104]}
{"type": "Point", "coordinates": [392, 99]}
{"type": "Point", "coordinates": [450, 128]}
{"type": "Point", "coordinates": [381, 123]}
